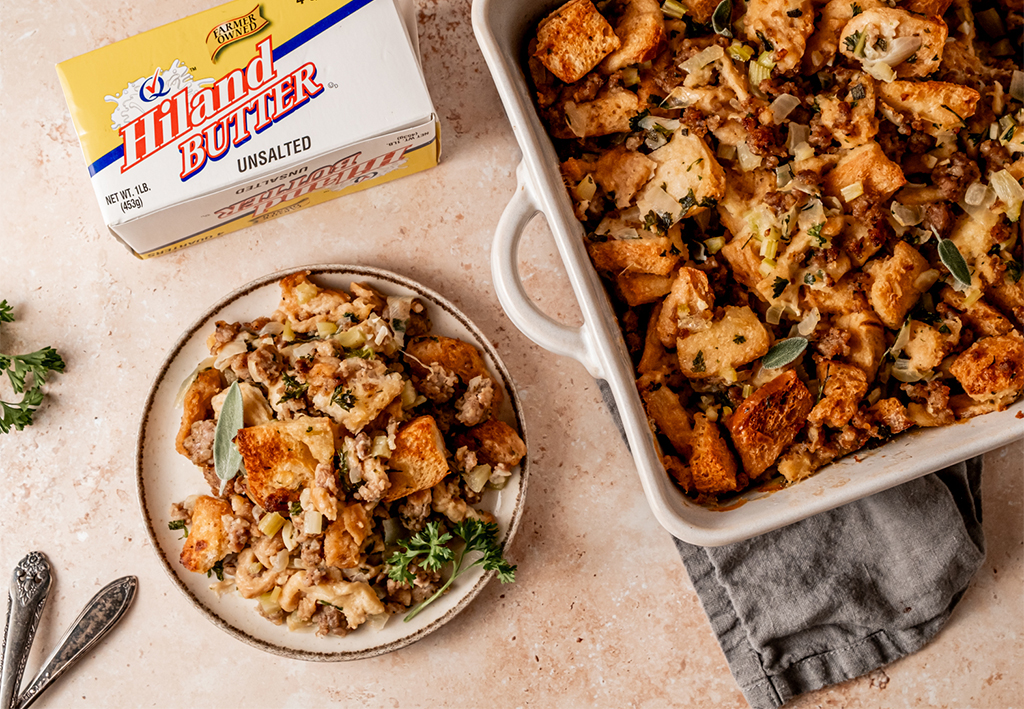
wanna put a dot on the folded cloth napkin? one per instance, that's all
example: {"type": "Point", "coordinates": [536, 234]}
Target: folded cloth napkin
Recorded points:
{"type": "Point", "coordinates": [846, 591]}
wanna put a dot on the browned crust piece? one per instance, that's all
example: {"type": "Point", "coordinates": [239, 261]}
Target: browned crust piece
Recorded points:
{"type": "Point", "coordinates": [768, 421]}
{"type": "Point", "coordinates": [207, 541]}
{"type": "Point", "coordinates": [197, 406]}
{"type": "Point", "coordinates": [420, 459]}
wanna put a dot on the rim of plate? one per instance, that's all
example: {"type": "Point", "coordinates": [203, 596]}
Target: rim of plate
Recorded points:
{"type": "Point", "coordinates": [436, 299]}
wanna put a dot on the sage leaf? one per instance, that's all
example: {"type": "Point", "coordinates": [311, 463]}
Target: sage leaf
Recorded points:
{"type": "Point", "coordinates": [721, 20]}
{"type": "Point", "coordinates": [952, 260]}
{"type": "Point", "coordinates": [783, 352]}
{"type": "Point", "coordinates": [226, 458]}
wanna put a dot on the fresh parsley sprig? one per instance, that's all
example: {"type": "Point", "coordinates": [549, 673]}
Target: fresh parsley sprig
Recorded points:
{"type": "Point", "coordinates": [429, 549]}
{"type": "Point", "coordinates": [27, 374]}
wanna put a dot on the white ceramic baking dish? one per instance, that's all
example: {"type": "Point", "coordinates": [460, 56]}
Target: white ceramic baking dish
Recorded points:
{"type": "Point", "coordinates": [502, 29]}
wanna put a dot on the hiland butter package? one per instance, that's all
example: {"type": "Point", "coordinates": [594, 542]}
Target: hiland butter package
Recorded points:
{"type": "Point", "coordinates": [247, 112]}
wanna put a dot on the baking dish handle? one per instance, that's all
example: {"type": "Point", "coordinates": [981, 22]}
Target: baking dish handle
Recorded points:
{"type": "Point", "coordinates": [521, 310]}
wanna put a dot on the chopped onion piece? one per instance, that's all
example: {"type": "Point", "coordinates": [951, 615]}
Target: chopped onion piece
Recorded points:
{"type": "Point", "coordinates": [271, 328]}
{"type": "Point", "coordinates": [803, 151]}
{"type": "Point", "coordinates": [229, 351]}
{"type": "Point", "coordinates": [904, 372]}
{"type": "Point", "coordinates": [726, 151]}
{"type": "Point", "coordinates": [586, 189]}
{"type": "Point", "coordinates": [852, 192]}
{"type": "Point", "coordinates": [748, 161]}
{"type": "Point", "coordinates": [305, 292]}
{"type": "Point", "coordinates": [907, 215]}
{"type": "Point", "coordinates": [880, 70]}
{"type": "Point", "coordinates": [477, 478]}
{"type": "Point", "coordinates": [783, 176]}
{"type": "Point", "coordinates": [574, 118]}
{"type": "Point", "coordinates": [351, 338]}
{"type": "Point", "coordinates": [926, 280]}
{"type": "Point", "coordinates": [810, 321]}
{"type": "Point", "coordinates": [1017, 85]}
{"type": "Point", "coordinates": [902, 338]}
{"type": "Point", "coordinates": [377, 621]}
{"type": "Point", "coordinates": [288, 535]}
{"type": "Point", "coordinates": [1009, 192]}
{"type": "Point", "coordinates": [630, 76]}
{"type": "Point", "coordinates": [798, 133]}
{"type": "Point", "coordinates": [680, 97]}
{"type": "Point", "coordinates": [314, 522]}
{"type": "Point", "coordinates": [179, 398]}
{"type": "Point", "coordinates": [714, 244]}
{"type": "Point", "coordinates": [703, 58]}
{"type": "Point", "coordinates": [782, 106]}
{"type": "Point", "coordinates": [326, 329]}
{"type": "Point", "coordinates": [898, 50]}
{"type": "Point", "coordinates": [774, 314]}
{"type": "Point", "coordinates": [973, 296]}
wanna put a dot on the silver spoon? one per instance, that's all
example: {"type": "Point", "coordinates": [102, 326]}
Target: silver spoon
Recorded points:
{"type": "Point", "coordinates": [30, 585]}
{"type": "Point", "coordinates": [100, 615]}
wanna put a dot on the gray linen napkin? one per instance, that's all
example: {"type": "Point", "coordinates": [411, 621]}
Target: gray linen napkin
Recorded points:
{"type": "Point", "coordinates": [845, 592]}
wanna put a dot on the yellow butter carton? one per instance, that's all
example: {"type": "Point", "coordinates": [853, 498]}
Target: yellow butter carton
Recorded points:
{"type": "Point", "coordinates": [247, 112]}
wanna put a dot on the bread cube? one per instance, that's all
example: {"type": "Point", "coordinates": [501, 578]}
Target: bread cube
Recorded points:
{"type": "Point", "coordinates": [927, 347]}
{"type": "Point", "coordinates": [419, 460]}
{"type": "Point", "coordinates": [939, 105]}
{"type": "Point", "coordinates": [843, 297]}
{"type": "Point", "coordinates": [894, 288]}
{"type": "Point", "coordinates": [641, 29]}
{"type": "Point", "coordinates": [494, 442]}
{"type": "Point", "coordinates": [623, 173]}
{"type": "Point", "coordinates": [281, 458]}
{"type": "Point", "coordinates": [640, 288]}
{"type": "Point", "coordinates": [842, 386]}
{"type": "Point", "coordinates": [573, 39]}
{"type": "Point", "coordinates": [768, 420]}
{"type": "Point", "coordinates": [658, 255]}
{"type": "Point", "coordinates": [892, 414]}
{"type": "Point", "coordinates": [343, 540]}
{"type": "Point", "coordinates": [737, 339]}
{"type": "Point", "coordinates": [992, 369]}
{"type": "Point", "coordinates": [822, 45]}
{"type": "Point", "coordinates": [867, 340]}
{"type": "Point", "coordinates": [207, 541]}
{"type": "Point", "coordinates": [304, 304]}
{"type": "Point", "coordinates": [604, 115]}
{"type": "Point", "coordinates": [786, 24]}
{"type": "Point", "coordinates": [688, 172]}
{"type": "Point", "coordinates": [197, 405]}
{"type": "Point", "coordinates": [868, 164]}
{"type": "Point", "coordinates": [664, 408]}
{"type": "Point", "coordinates": [980, 317]}
{"type": "Point", "coordinates": [689, 307]}
{"type": "Point", "coordinates": [871, 33]}
{"type": "Point", "coordinates": [712, 466]}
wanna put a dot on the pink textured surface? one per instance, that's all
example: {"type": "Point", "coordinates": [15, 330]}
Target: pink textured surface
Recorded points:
{"type": "Point", "coordinates": [603, 613]}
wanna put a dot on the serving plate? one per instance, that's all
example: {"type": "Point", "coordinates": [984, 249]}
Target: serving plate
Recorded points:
{"type": "Point", "coordinates": [163, 476]}
{"type": "Point", "coordinates": [502, 31]}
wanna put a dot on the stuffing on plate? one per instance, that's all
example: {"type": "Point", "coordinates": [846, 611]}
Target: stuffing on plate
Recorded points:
{"type": "Point", "coordinates": [807, 214]}
{"type": "Point", "coordinates": [332, 433]}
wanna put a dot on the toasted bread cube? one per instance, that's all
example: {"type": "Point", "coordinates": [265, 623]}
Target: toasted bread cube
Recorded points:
{"type": "Point", "coordinates": [664, 408]}
{"type": "Point", "coordinates": [842, 386]}
{"type": "Point", "coordinates": [892, 414]}
{"type": "Point", "coordinates": [822, 45]}
{"type": "Point", "coordinates": [679, 471]}
{"type": "Point", "coordinates": [712, 466]}
{"type": "Point", "coordinates": [860, 240]}
{"type": "Point", "coordinates": [281, 458]}
{"type": "Point", "coordinates": [992, 369]}
{"type": "Point", "coordinates": [657, 256]}
{"type": "Point", "coordinates": [641, 29]}
{"type": "Point", "coordinates": [768, 420]}
{"type": "Point", "coordinates": [856, 127]}
{"type": "Point", "coordinates": [980, 316]}
{"type": "Point", "coordinates": [868, 165]}
{"type": "Point", "coordinates": [655, 358]}
{"type": "Point", "coordinates": [939, 105]}
{"type": "Point", "coordinates": [420, 459]}
{"type": "Point", "coordinates": [640, 288]}
{"type": "Point", "coordinates": [494, 442]}
{"type": "Point", "coordinates": [786, 24]}
{"type": "Point", "coordinates": [457, 356]}
{"type": "Point", "coordinates": [372, 388]}
{"type": "Point", "coordinates": [842, 297]}
{"type": "Point", "coordinates": [573, 39]}
{"type": "Point", "coordinates": [894, 288]}
{"type": "Point", "coordinates": [304, 304]}
{"type": "Point", "coordinates": [623, 172]}
{"type": "Point", "coordinates": [197, 406]}
{"type": "Point", "coordinates": [927, 347]}
{"type": "Point", "coordinates": [973, 234]}
{"type": "Point", "coordinates": [343, 540]}
{"type": "Point", "coordinates": [604, 115]}
{"type": "Point", "coordinates": [873, 30]}
{"type": "Point", "coordinates": [688, 308]}
{"type": "Point", "coordinates": [688, 172]}
{"type": "Point", "coordinates": [867, 340]}
{"type": "Point", "coordinates": [207, 542]}
{"type": "Point", "coordinates": [737, 339]}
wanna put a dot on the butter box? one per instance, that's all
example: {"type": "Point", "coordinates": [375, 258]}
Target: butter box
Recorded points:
{"type": "Point", "coordinates": [247, 112]}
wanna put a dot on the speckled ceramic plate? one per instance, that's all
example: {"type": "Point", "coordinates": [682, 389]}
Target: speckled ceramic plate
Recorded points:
{"type": "Point", "coordinates": [163, 476]}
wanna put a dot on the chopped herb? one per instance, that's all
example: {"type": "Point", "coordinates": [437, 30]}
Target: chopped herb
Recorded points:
{"type": "Point", "coordinates": [698, 362]}
{"type": "Point", "coordinates": [880, 44]}
{"type": "Point", "coordinates": [954, 261]}
{"type": "Point", "coordinates": [634, 122]}
{"type": "Point", "coordinates": [976, 138]}
{"type": "Point", "coordinates": [295, 508]}
{"type": "Point", "coordinates": [783, 352]}
{"type": "Point", "coordinates": [709, 202]}
{"type": "Point", "coordinates": [674, 251]}
{"type": "Point", "coordinates": [688, 202]}
{"type": "Point", "coordinates": [815, 233]}
{"type": "Point", "coordinates": [398, 325]}
{"type": "Point", "coordinates": [343, 397]}
{"type": "Point", "coordinates": [293, 388]}
{"type": "Point", "coordinates": [958, 116]}
{"type": "Point", "coordinates": [698, 161]}
{"type": "Point", "coordinates": [912, 59]}
{"type": "Point", "coordinates": [768, 46]}
{"type": "Point", "coordinates": [363, 353]}
{"type": "Point", "coordinates": [429, 550]}
{"type": "Point", "coordinates": [218, 569]}
{"type": "Point", "coordinates": [721, 19]}
{"type": "Point", "coordinates": [1008, 135]}
{"type": "Point", "coordinates": [739, 339]}
{"type": "Point", "coordinates": [852, 41]}
{"type": "Point", "coordinates": [809, 279]}
{"type": "Point", "coordinates": [944, 329]}
{"type": "Point", "coordinates": [1013, 270]}
{"type": "Point", "coordinates": [857, 92]}
{"type": "Point", "coordinates": [779, 286]}
{"type": "Point", "coordinates": [178, 524]}
{"type": "Point", "coordinates": [351, 317]}
{"type": "Point", "coordinates": [857, 9]}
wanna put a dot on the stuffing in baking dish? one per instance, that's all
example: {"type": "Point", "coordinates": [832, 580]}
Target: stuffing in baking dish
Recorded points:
{"type": "Point", "coordinates": [362, 444]}
{"type": "Point", "coordinates": [807, 214]}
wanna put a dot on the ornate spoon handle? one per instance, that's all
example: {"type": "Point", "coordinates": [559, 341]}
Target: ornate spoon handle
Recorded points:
{"type": "Point", "coordinates": [30, 584]}
{"type": "Point", "coordinates": [101, 614]}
